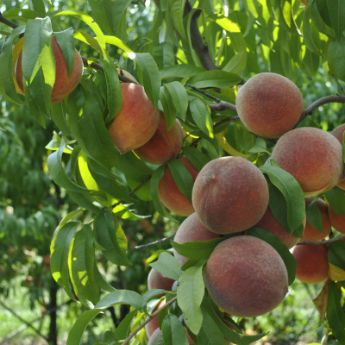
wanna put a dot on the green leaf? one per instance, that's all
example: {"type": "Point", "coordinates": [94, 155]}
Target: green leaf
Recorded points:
{"type": "Point", "coordinates": [282, 250]}
{"type": "Point", "coordinates": [39, 7]}
{"type": "Point", "coordinates": [109, 14]}
{"type": "Point", "coordinates": [336, 200]}
{"type": "Point", "coordinates": [292, 193]}
{"type": "Point", "coordinates": [76, 332]}
{"type": "Point", "coordinates": [179, 98]}
{"type": "Point", "coordinates": [336, 12]}
{"type": "Point", "coordinates": [65, 42]}
{"type": "Point", "coordinates": [336, 254]}
{"type": "Point", "coordinates": [180, 72]}
{"type": "Point", "coordinates": [201, 115]}
{"type": "Point", "coordinates": [182, 177]}
{"type": "Point", "coordinates": [173, 331]}
{"type": "Point", "coordinates": [198, 250]}
{"type": "Point", "coordinates": [59, 249]}
{"type": "Point", "coordinates": [154, 189]}
{"type": "Point", "coordinates": [336, 58]}
{"type": "Point", "coordinates": [214, 79]}
{"type": "Point", "coordinates": [177, 8]}
{"type": "Point", "coordinates": [111, 237]}
{"type": "Point", "coordinates": [190, 294]}
{"type": "Point", "coordinates": [335, 312]}
{"type": "Point", "coordinates": [314, 215]}
{"type": "Point", "coordinates": [237, 63]}
{"type": "Point", "coordinates": [81, 262]}
{"type": "Point", "coordinates": [148, 75]}
{"type": "Point", "coordinates": [121, 297]}
{"type": "Point", "coordinates": [167, 265]}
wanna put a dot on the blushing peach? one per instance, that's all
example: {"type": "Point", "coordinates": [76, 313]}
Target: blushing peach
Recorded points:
{"type": "Point", "coordinates": [269, 104]}
{"type": "Point", "coordinates": [338, 132]}
{"type": "Point", "coordinates": [312, 156]}
{"type": "Point", "coordinates": [246, 276]}
{"type": "Point", "coordinates": [136, 122]}
{"type": "Point", "coordinates": [270, 224]}
{"type": "Point", "coordinates": [155, 280]}
{"type": "Point", "coordinates": [311, 263]}
{"type": "Point", "coordinates": [164, 145]}
{"type": "Point", "coordinates": [230, 194]}
{"type": "Point", "coordinates": [170, 195]}
{"type": "Point", "coordinates": [65, 81]}
{"type": "Point", "coordinates": [191, 230]}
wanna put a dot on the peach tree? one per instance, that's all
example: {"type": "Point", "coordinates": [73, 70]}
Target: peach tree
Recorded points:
{"type": "Point", "coordinates": [196, 114]}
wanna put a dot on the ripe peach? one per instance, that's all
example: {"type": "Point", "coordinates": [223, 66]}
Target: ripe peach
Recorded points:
{"type": "Point", "coordinates": [164, 145]}
{"type": "Point", "coordinates": [246, 276]}
{"type": "Point", "coordinates": [269, 223]}
{"type": "Point", "coordinates": [269, 104]}
{"type": "Point", "coordinates": [191, 230]}
{"type": "Point", "coordinates": [153, 324]}
{"type": "Point", "coordinates": [65, 81]}
{"type": "Point", "coordinates": [312, 156]}
{"type": "Point", "coordinates": [136, 122]}
{"type": "Point", "coordinates": [338, 132]}
{"type": "Point", "coordinates": [337, 220]}
{"type": "Point", "coordinates": [230, 194]}
{"type": "Point", "coordinates": [170, 195]}
{"type": "Point", "coordinates": [311, 261]}
{"type": "Point", "coordinates": [313, 234]}
{"type": "Point", "coordinates": [156, 281]}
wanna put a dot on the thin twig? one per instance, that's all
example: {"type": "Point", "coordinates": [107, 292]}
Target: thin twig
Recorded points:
{"type": "Point", "coordinates": [318, 243]}
{"type": "Point", "coordinates": [322, 101]}
{"type": "Point", "coordinates": [7, 21]}
{"type": "Point", "coordinates": [152, 316]}
{"type": "Point", "coordinates": [198, 44]}
{"type": "Point", "coordinates": [154, 243]}
{"type": "Point", "coordinates": [222, 105]}
{"type": "Point", "coordinates": [37, 331]}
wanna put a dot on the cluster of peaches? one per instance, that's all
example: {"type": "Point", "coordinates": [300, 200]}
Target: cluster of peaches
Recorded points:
{"type": "Point", "coordinates": [244, 275]}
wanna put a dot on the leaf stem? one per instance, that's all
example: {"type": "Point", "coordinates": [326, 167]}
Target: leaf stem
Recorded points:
{"type": "Point", "coordinates": [318, 243]}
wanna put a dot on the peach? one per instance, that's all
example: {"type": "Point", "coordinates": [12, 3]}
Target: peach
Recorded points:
{"type": "Point", "coordinates": [246, 276]}
{"type": "Point", "coordinates": [230, 194]}
{"type": "Point", "coordinates": [136, 122]}
{"type": "Point", "coordinates": [65, 81]}
{"type": "Point", "coordinates": [269, 104]}
{"type": "Point", "coordinates": [311, 263]}
{"type": "Point", "coordinates": [270, 224]}
{"type": "Point", "coordinates": [153, 324]}
{"type": "Point", "coordinates": [312, 233]}
{"type": "Point", "coordinates": [338, 132]}
{"type": "Point", "coordinates": [155, 280]}
{"type": "Point", "coordinates": [312, 156]}
{"type": "Point", "coordinates": [191, 230]}
{"type": "Point", "coordinates": [170, 195]}
{"type": "Point", "coordinates": [164, 145]}
{"type": "Point", "coordinates": [337, 220]}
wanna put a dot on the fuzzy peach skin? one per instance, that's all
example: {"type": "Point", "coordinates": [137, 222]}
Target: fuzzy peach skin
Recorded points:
{"type": "Point", "coordinates": [338, 132]}
{"type": "Point", "coordinates": [313, 234]}
{"type": "Point", "coordinates": [230, 194]}
{"type": "Point", "coordinates": [165, 144]}
{"type": "Point", "coordinates": [337, 220]}
{"type": "Point", "coordinates": [312, 156]}
{"type": "Point", "coordinates": [136, 122]}
{"type": "Point", "coordinates": [269, 104]}
{"type": "Point", "coordinates": [65, 82]}
{"type": "Point", "coordinates": [246, 276]}
{"type": "Point", "coordinates": [270, 224]}
{"type": "Point", "coordinates": [156, 281]}
{"type": "Point", "coordinates": [170, 195]}
{"type": "Point", "coordinates": [311, 263]}
{"type": "Point", "coordinates": [190, 230]}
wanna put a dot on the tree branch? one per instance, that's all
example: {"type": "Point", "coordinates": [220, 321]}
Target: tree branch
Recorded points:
{"type": "Point", "coordinates": [318, 243]}
{"type": "Point", "coordinates": [198, 44]}
{"type": "Point", "coordinates": [322, 101]}
{"type": "Point", "coordinates": [154, 243]}
{"type": "Point", "coordinates": [7, 22]}
{"type": "Point", "coordinates": [152, 316]}
{"type": "Point", "coordinates": [37, 331]}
